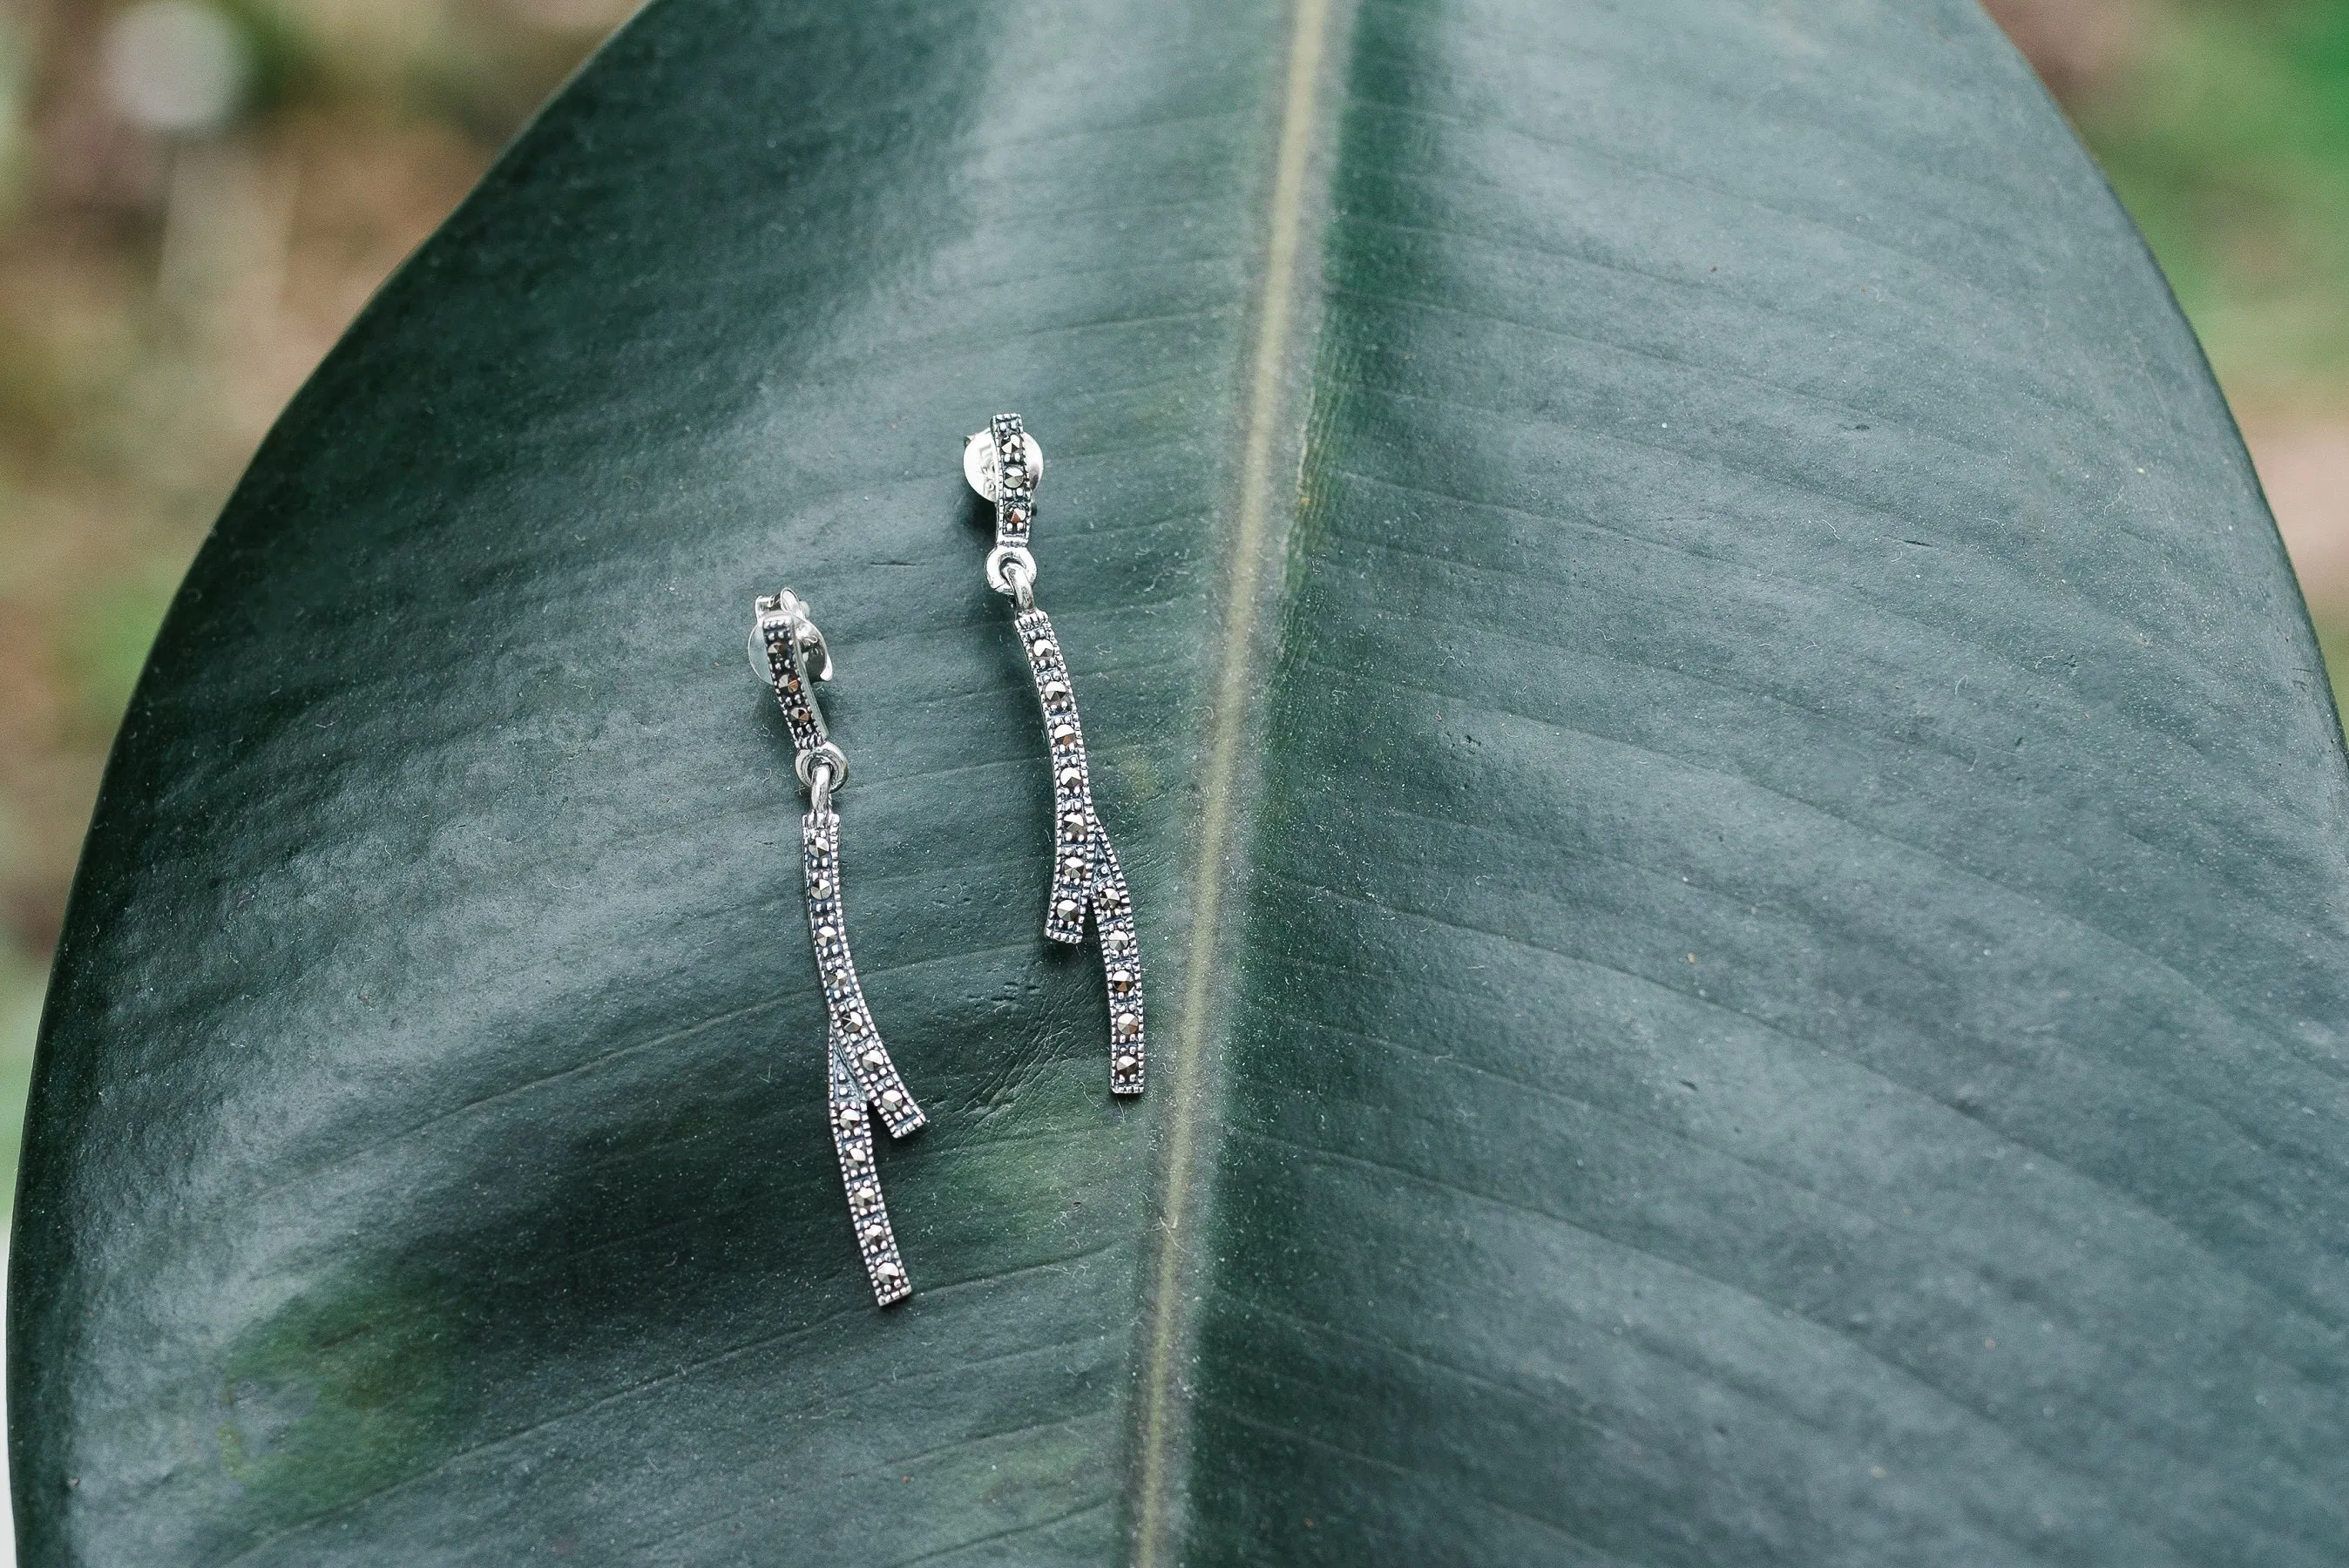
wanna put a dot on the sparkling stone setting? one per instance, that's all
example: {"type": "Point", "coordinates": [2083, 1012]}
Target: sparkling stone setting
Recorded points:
{"type": "Point", "coordinates": [863, 1079]}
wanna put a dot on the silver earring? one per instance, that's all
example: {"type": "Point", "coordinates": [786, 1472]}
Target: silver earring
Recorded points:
{"type": "Point", "coordinates": [789, 654]}
{"type": "Point", "coordinates": [1003, 463]}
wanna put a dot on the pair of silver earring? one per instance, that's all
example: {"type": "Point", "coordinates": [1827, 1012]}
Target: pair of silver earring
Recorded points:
{"type": "Point", "coordinates": [1002, 463]}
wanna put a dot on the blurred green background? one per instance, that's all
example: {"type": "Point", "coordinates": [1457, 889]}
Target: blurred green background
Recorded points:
{"type": "Point", "coordinates": [196, 195]}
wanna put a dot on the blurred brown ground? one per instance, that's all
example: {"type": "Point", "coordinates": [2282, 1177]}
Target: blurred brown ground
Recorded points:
{"type": "Point", "coordinates": [163, 290]}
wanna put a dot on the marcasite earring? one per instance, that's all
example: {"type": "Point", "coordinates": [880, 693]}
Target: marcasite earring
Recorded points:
{"type": "Point", "coordinates": [789, 654]}
{"type": "Point", "coordinates": [1003, 463]}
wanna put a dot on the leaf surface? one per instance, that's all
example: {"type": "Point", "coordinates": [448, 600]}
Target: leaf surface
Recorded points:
{"type": "Point", "coordinates": [1740, 838]}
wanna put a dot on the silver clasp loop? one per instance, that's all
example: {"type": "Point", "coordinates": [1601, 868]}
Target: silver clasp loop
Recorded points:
{"type": "Point", "coordinates": [1011, 570]}
{"type": "Point", "coordinates": [827, 762]}
{"type": "Point", "coordinates": [817, 770]}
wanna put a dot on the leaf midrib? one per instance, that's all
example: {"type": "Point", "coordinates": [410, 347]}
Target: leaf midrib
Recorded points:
{"type": "Point", "coordinates": [1251, 538]}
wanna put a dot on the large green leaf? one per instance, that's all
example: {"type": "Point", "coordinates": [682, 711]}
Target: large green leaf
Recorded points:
{"type": "Point", "coordinates": [1743, 847]}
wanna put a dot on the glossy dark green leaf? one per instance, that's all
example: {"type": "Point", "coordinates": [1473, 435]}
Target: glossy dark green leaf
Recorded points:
{"type": "Point", "coordinates": [1743, 852]}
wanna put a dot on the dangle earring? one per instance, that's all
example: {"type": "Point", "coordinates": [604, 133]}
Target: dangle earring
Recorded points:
{"type": "Point", "coordinates": [1002, 463]}
{"type": "Point", "coordinates": [789, 654]}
